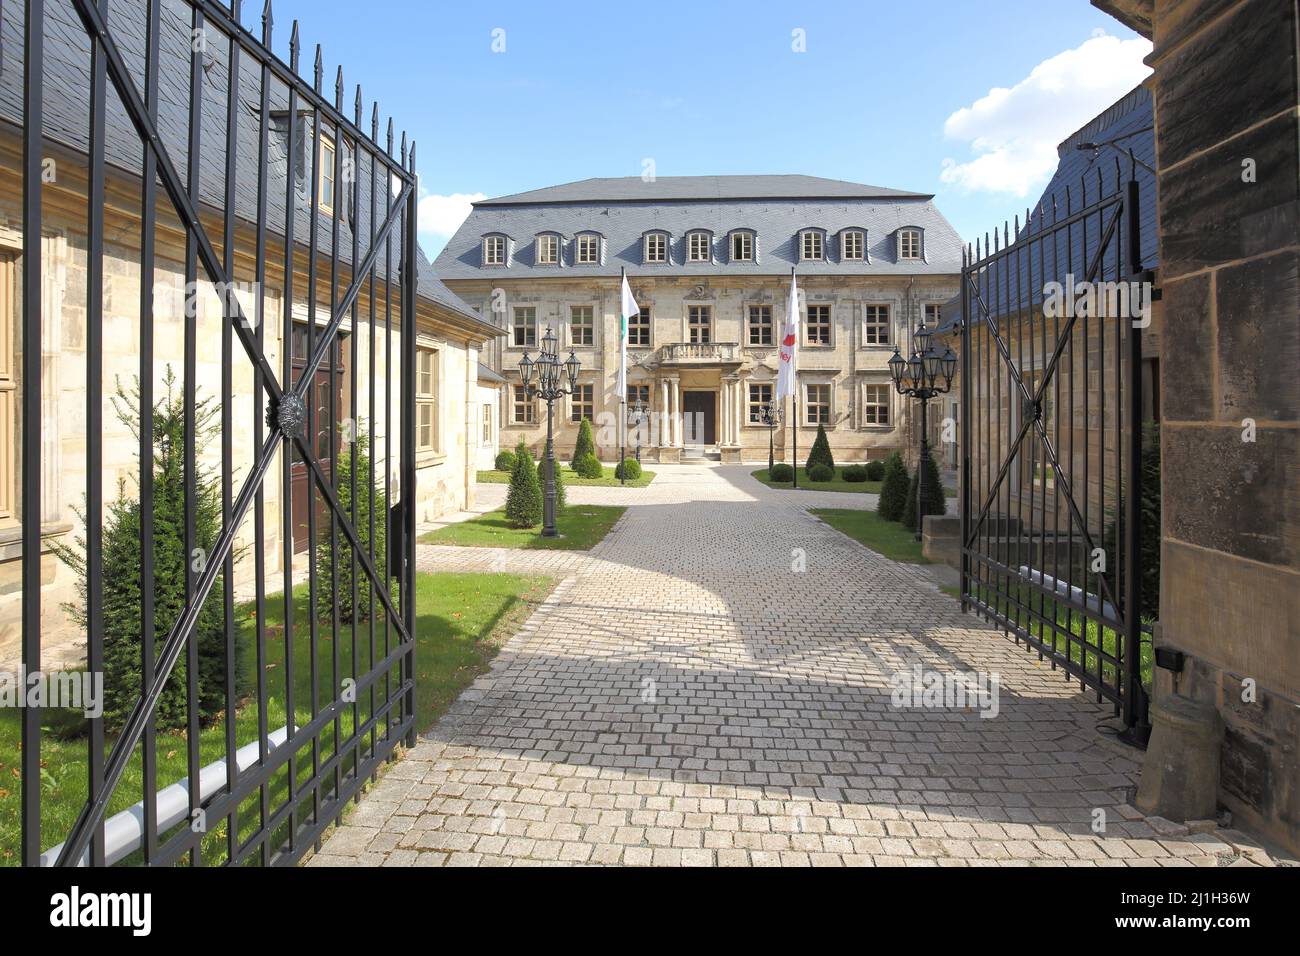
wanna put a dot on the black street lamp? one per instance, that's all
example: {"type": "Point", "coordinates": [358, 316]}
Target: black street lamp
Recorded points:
{"type": "Point", "coordinates": [636, 414]}
{"type": "Point", "coordinates": [550, 372]}
{"type": "Point", "coordinates": [918, 377]}
{"type": "Point", "coordinates": [771, 417]}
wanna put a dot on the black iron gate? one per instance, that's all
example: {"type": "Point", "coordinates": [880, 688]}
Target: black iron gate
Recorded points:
{"type": "Point", "coordinates": [1052, 319]}
{"type": "Point", "coordinates": [304, 227]}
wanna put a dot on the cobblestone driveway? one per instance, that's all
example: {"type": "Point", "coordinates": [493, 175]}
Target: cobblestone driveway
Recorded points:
{"type": "Point", "coordinates": [685, 697]}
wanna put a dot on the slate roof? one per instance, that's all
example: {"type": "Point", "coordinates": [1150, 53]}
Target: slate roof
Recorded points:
{"type": "Point", "coordinates": [776, 208]}
{"type": "Point", "coordinates": [1125, 125]}
{"type": "Point", "coordinates": [65, 98]}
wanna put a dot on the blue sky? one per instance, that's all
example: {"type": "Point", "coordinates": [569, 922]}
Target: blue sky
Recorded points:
{"type": "Point", "coordinates": [964, 100]}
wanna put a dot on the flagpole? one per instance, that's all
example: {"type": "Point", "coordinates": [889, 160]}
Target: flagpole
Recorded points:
{"type": "Point", "coordinates": [622, 377]}
{"type": "Point", "coordinates": [794, 395]}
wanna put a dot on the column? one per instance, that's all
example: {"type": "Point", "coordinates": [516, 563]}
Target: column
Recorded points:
{"type": "Point", "coordinates": [676, 420]}
{"type": "Point", "coordinates": [724, 413]}
{"type": "Point", "coordinates": [665, 436]}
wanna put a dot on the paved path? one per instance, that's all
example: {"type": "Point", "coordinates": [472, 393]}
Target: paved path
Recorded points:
{"type": "Point", "coordinates": [691, 695]}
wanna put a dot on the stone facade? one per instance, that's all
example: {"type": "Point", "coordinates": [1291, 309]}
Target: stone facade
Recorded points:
{"type": "Point", "coordinates": [1229, 168]}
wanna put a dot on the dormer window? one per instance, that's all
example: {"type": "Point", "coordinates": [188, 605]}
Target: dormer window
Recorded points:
{"type": "Point", "coordinates": [494, 250]}
{"type": "Point", "coordinates": [698, 245]}
{"type": "Point", "coordinates": [656, 247]}
{"type": "Point", "coordinates": [810, 245]}
{"type": "Point", "coordinates": [853, 245]}
{"type": "Point", "coordinates": [588, 249]}
{"type": "Point", "coordinates": [742, 247]}
{"type": "Point", "coordinates": [548, 249]}
{"type": "Point", "coordinates": [909, 243]}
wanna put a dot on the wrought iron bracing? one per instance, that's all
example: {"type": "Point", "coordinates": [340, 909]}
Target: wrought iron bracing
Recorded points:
{"type": "Point", "coordinates": [274, 805]}
{"type": "Point", "coordinates": [1051, 331]}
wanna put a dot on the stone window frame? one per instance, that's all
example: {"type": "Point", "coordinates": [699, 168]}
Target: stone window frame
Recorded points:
{"type": "Point", "coordinates": [753, 409]}
{"type": "Point", "coordinates": [495, 249]}
{"type": "Point", "coordinates": [816, 239]}
{"type": "Point", "coordinates": [325, 172]}
{"type": "Point", "coordinates": [516, 328]}
{"type": "Point", "coordinates": [750, 326]}
{"type": "Point", "coordinates": [937, 308]}
{"type": "Point", "coordinates": [428, 376]}
{"type": "Point", "coordinates": [699, 316]}
{"type": "Point", "coordinates": [580, 242]}
{"type": "Point", "coordinates": [705, 238]}
{"type": "Point", "coordinates": [867, 400]}
{"type": "Point", "coordinates": [903, 243]}
{"type": "Point", "coordinates": [521, 399]}
{"type": "Point", "coordinates": [663, 244]}
{"type": "Point", "coordinates": [861, 237]}
{"type": "Point", "coordinates": [635, 324]}
{"type": "Point", "coordinates": [887, 324]}
{"type": "Point", "coordinates": [828, 405]}
{"type": "Point", "coordinates": [749, 240]}
{"type": "Point", "coordinates": [585, 407]}
{"type": "Point", "coordinates": [829, 325]}
{"type": "Point", "coordinates": [590, 326]}
{"type": "Point", "coordinates": [552, 239]}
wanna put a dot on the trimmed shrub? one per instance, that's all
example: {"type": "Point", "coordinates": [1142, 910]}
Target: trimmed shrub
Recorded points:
{"type": "Point", "coordinates": [821, 472]}
{"type": "Point", "coordinates": [505, 461]}
{"type": "Point", "coordinates": [821, 452]}
{"type": "Point", "coordinates": [588, 466]}
{"type": "Point", "coordinates": [932, 499]}
{"type": "Point", "coordinates": [893, 493]}
{"type": "Point", "coordinates": [524, 500]}
{"type": "Point", "coordinates": [560, 499]}
{"type": "Point", "coordinates": [120, 553]}
{"type": "Point", "coordinates": [629, 467]}
{"type": "Point", "coordinates": [586, 445]}
{"type": "Point", "coordinates": [855, 474]}
{"type": "Point", "coordinates": [326, 554]}
{"type": "Point", "coordinates": [875, 471]}
{"type": "Point", "coordinates": [781, 472]}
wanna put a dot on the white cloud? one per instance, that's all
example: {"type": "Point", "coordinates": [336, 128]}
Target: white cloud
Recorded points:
{"type": "Point", "coordinates": [1013, 133]}
{"type": "Point", "coordinates": [442, 215]}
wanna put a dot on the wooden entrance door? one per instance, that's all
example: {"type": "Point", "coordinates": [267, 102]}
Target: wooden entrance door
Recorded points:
{"type": "Point", "coordinates": [699, 411]}
{"type": "Point", "coordinates": [327, 438]}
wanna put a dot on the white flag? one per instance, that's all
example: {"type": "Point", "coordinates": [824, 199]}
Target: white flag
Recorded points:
{"type": "Point", "coordinates": [628, 309]}
{"type": "Point", "coordinates": [789, 345]}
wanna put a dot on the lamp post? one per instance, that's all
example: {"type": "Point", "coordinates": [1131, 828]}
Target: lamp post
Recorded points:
{"type": "Point", "coordinates": [771, 417]}
{"type": "Point", "coordinates": [918, 377]}
{"type": "Point", "coordinates": [550, 373]}
{"type": "Point", "coordinates": [636, 414]}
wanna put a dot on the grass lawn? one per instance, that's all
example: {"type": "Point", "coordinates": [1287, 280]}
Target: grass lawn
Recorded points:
{"type": "Point", "coordinates": [571, 478]}
{"type": "Point", "coordinates": [835, 484]}
{"type": "Point", "coordinates": [884, 537]}
{"type": "Point", "coordinates": [581, 528]}
{"type": "Point", "coordinates": [462, 620]}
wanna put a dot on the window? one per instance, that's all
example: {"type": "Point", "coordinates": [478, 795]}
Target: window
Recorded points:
{"type": "Point", "coordinates": [326, 162]}
{"type": "Point", "coordinates": [524, 329]}
{"type": "Point", "coordinates": [817, 330]}
{"type": "Point", "coordinates": [932, 315]}
{"type": "Point", "coordinates": [582, 403]}
{"type": "Point", "coordinates": [909, 243]}
{"type": "Point", "coordinates": [852, 244]}
{"type": "Point", "coordinates": [588, 249]}
{"type": "Point", "coordinates": [742, 247]}
{"type": "Point", "coordinates": [8, 386]}
{"type": "Point", "coordinates": [697, 247]}
{"type": "Point", "coordinates": [700, 323]}
{"type": "Point", "coordinates": [638, 328]}
{"type": "Point", "coordinates": [426, 399]}
{"type": "Point", "coordinates": [582, 325]}
{"type": "Point", "coordinates": [656, 247]}
{"type": "Point", "coordinates": [638, 393]}
{"type": "Point", "coordinates": [487, 423]}
{"type": "Point", "coordinates": [875, 404]}
{"type": "Point", "coordinates": [523, 409]}
{"type": "Point", "coordinates": [875, 327]}
{"type": "Point", "coordinates": [548, 250]}
{"type": "Point", "coordinates": [817, 404]}
{"type": "Point", "coordinates": [810, 245]}
{"type": "Point", "coordinates": [760, 325]}
{"type": "Point", "coordinates": [494, 250]}
{"type": "Point", "coordinates": [760, 396]}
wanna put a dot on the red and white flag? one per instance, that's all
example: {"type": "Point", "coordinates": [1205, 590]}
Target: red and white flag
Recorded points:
{"type": "Point", "coordinates": [789, 344]}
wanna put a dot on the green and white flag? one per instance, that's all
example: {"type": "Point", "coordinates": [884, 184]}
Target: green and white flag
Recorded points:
{"type": "Point", "coordinates": [628, 309]}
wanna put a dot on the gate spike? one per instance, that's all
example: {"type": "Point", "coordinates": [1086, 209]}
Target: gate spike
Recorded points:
{"type": "Point", "coordinates": [235, 11]}
{"type": "Point", "coordinates": [412, 155]}
{"type": "Point", "coordinates": [403, 149]}
{"type": "Point", "coordinates": [358, 109]}
{"type": "Point", "coordinates": [268, 21]}
{"type": "Point", "coordinates": [338, 89]}
{"type": "Point", "coordinates": [390, 136]}
{"type": "Point", "coordinates": [320, 67]}
{"type": "Point", "coordinates": [294, 44]}
{"type": "Point", "coordinates": [374, 123]}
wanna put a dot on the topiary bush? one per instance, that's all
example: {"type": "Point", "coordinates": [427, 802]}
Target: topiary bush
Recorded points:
{"type": "Point", "coordinates": [875, 471]}
{"type": "Point", "coordinates": [855, 474]}
{"type": "Point", "coordinates": [524, 499]}
{"type": "Point", "coordinates": [120, 552]}
{"type": "Point", "coordinates": [628, 468]}
{"type": "Point", "coordinates": [821, 472]}
{"type": "Point", "coordinates": [588, 466]}
{"type": "Point", "coordinates": [326, 553]}
{"type": "Point", "coordinates": [586, 445]}
{"type": "Point", "coordinates": [505, 460]}
{"type": "Point", "coordinates": [781, 472]}
{"type": "Point", "coordinates": [821, 451]}
{"type": "Point", "coordinates": [932, 499]}
{"type": "Point", "coordinates": [893, 493]}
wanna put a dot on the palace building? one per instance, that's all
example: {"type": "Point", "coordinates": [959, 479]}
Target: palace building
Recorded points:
{"type": "Point", "coordinates": [709, 260]}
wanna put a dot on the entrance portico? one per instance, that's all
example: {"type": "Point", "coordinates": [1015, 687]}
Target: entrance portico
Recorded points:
{"type": "Point", "coordinates": [700, 401]}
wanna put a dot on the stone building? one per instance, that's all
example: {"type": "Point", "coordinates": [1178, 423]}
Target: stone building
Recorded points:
{"type": "Point", "coordinates": [709, 260]}
{"type": "Point", "coordinates": [449, 333]}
